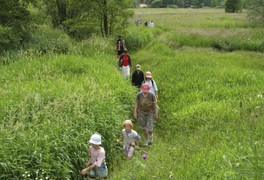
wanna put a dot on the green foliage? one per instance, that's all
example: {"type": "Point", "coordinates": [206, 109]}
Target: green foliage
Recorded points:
{"type": "Point", "coordinates": [46, 39]}
{"type": "Point", "coordinates": [232, 6]}
{"type": "Point", "coordinates": [172, 6]}
{"type": "Point", "coordinates": [139, 37]}
{"type": "Point", "coordinates": [135, 3]}
{"type": "Point", "coordinates": [156, 4]}
{"type": "Point", "coordinates": [47, 126]}
{"type": "Point", "coordinates": [211, 102]}
{"type": "Point", "coordinates": [8, 38]}
{"type": "Point", "coordinates": [14, 22]}
{"type": "Point", "coordinates": [255, 9]}
{"type": "Point", "coordinates": [83, 18]}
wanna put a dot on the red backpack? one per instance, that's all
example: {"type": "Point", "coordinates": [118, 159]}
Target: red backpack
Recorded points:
{"type": "Point", "coordinates": [125, 60]}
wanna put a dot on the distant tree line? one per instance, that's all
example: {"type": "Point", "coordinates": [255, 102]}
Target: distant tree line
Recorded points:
{"type": "Point", "coordinates": [79, 19]}
{"type": "Point", "coordinates": [83, 18]}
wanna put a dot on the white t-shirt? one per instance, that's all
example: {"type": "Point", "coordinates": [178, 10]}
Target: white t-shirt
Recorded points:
{"type": "Point", "coordinates": [129, 137]}
{"type": "Point", "coordinates": [153, 88]}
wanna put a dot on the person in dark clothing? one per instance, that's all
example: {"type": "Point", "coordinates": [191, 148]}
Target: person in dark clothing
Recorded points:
{"type": "Point", "coordinates": [137, 77]}
{"type": "Point", "coordinates": [120, 46]}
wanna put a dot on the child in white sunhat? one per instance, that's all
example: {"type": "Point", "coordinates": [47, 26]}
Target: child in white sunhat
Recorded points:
{"type": "Point", "coordinates": [96, 166]}
{"type": "Point", "coordinates": [130, 138]}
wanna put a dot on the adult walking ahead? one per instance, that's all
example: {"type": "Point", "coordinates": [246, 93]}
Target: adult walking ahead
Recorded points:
{"type": "Point", "coordinates": [137, 77]}
{"type": "Point", "coordinates": [152, 83]}
{"type": "Point", "coordinates": [120, 46]}
{"type": "Point", "coordinates": [145, 111]}
{"type": "Point", "coordinates": [125, 64]}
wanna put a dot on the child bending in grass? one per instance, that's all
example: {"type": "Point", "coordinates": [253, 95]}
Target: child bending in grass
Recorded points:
{"type": "Point", "coordinates": [130, 138]}
{"type": "Point", "coordinates": [96, 166]}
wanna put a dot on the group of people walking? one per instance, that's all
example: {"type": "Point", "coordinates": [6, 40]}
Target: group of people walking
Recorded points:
{"type": "Point", "coordinates": [146, 24]}
{"type": "Point", "coordinates": [145, 112]}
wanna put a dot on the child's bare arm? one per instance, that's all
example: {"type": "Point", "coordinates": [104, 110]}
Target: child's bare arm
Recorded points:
{"type": "Point", "coordinates": [85, 170]}
{"type": "Point", "coordinates": [88, 163]}
{"type": "Point", "coordinates": [121, 137]}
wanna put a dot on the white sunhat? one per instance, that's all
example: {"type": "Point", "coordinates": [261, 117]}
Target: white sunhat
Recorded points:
{"type": "Point", "coordinates": [95, 139]}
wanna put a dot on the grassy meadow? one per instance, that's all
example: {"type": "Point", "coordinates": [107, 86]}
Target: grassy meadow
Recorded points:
{"type": "Point", "coordinates": [208, 66]}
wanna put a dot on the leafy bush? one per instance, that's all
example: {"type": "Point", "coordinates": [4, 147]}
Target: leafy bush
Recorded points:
{"type": "Point", "coordinates": [46, 39]}
{"type": "Point", "coordinates": [172, 6]}
{"type": "Point", "coordinates": [9, 39]}
{"type": "Point", "coordinates": [156, 4]}
{"type": "Point", "coordinates": [137, 38]}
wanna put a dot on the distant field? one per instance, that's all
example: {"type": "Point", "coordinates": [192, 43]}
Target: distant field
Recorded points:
{"type": "Point", "coordinates": [205, 28]}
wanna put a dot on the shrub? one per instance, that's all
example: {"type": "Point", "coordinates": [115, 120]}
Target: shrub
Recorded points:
{"type": "Point", "coordinates": [172, 6]}
{"type": "Point", "coordinates": [46, 39]}
{"type": "Point", "coordinates": [156, 4]}
{"type": "Point", "coordinates": [138, 38]}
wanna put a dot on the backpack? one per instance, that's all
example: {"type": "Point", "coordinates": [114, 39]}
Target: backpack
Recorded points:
{"type": "Point", "coordinates": [151, 83]}
{"type": "Point", "coordinates": [140, 94]}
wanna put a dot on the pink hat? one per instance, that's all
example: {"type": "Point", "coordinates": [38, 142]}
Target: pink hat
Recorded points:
{"type": "Point", "coordinates": [148, 74]}
{"type": "Point", "coordinates": [145, 87]}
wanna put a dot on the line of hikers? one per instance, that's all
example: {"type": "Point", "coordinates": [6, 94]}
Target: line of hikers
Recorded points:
{"type": "Point", "coordinates": [145, 112]}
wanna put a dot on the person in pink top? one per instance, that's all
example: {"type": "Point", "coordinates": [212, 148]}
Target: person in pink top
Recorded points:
{"type": "Point", "coordinates": [130, 138]}
{"type": "Point", "coordinates": [96, 166]}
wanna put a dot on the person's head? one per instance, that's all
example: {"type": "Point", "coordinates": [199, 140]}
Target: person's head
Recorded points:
{"type": "Point", "coordinates": [95, 140]}
{"type": "Point", "coordinates": [119, 36]}
{"type": "Point", "coordinates": [148, 75]}
{"type": "Point", "coordinates": [125, 50]}
{"type": "Point", "coordinates": [128, 125]}
{"type": "Point", "coordinates": [145, 88]}
{"type": "Point", "coordinates": [137, 67]}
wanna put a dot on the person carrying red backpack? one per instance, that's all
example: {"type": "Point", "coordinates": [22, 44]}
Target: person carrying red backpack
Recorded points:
{"type": "Point", "coordinates": [125, 64]}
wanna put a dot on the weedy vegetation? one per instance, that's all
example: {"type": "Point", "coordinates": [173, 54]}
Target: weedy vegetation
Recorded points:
{"type": "Point", "coordinates": [208, 66]}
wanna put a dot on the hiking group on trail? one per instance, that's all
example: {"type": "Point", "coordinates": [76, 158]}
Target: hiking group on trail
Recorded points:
{"type": "Point", "coordinates": [145, 112]}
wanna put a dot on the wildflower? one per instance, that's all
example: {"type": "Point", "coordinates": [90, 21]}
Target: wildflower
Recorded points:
{"type": "Point", "coordinates": [144, 156]}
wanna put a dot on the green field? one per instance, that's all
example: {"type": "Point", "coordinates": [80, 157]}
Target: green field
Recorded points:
{"type": "Point", "coordinates": [208, 66]}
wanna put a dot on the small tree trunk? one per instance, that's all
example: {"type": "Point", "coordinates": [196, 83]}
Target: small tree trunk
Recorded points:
{"type": "Point", "coordinates": [105, 19]}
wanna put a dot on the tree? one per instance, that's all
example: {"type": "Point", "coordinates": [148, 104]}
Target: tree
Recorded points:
{"type": "Point", "coordinates": [232, 6]}
{"type": "Point", "coordinates": [84, 17]}
{"type": "Point", "coordinates": [14, 22]}
{"type": "Point", "coordinates": [180, 3]}
{"type": "Point", "coordinates": [255, 9]}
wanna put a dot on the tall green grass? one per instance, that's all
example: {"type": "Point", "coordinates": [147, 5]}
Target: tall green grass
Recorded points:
{"type": "Point", "coordinates": [211, 117]}
{"type": "Point", "coordinates": [211, 104]}
{"type": "Point", "coordinates": [50, 106]}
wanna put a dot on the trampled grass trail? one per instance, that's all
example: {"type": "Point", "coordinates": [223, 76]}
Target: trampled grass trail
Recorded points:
{"type": "Point", "coordinates": [211, 119]}
{"type": "Point", "coordinates": [210, 79]}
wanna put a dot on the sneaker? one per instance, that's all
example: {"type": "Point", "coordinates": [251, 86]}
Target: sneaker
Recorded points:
{"type": "Point", "coordinates": [146, 143]}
